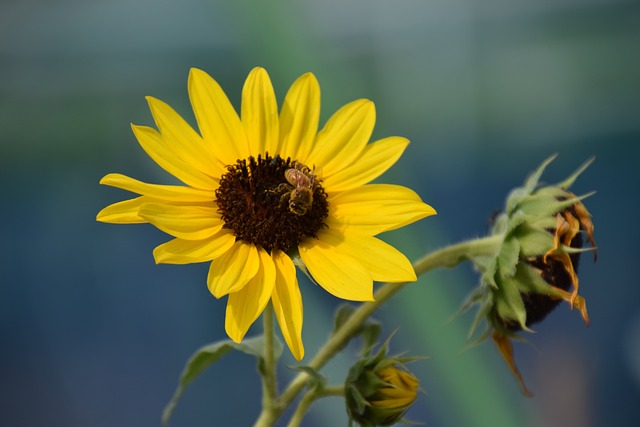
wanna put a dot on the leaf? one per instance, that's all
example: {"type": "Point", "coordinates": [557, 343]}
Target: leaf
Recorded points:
{"type": "Point", "coordinates": [370, 330]}
{"type": "Point", "coordinates": [370, 333]}
{"type": "Point", "coordinates": [209, 354]}
{"type": "Point", "coordinates": [342, 314]}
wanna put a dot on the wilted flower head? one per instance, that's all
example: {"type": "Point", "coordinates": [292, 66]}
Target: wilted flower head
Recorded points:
{"type": "Point", "coordinates": [379, 389]}
{"type": "Point", "coordinates": [539, 241]}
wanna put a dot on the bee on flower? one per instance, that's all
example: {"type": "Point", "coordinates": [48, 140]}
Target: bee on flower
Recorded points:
{"type": "Point", "coordinates": [302, 183]}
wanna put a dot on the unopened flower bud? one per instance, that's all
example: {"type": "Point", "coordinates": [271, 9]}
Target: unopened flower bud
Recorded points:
{"type": "Point", "coordinates": [379, 390]}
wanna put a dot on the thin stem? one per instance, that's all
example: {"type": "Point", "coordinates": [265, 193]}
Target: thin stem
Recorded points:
{"type": "Point", "coordinates": [268, 372]}
{"type": "Point", "coordinates": [446, 257]}
{"type": "Point", "coordinates": [308, 399]}
{"type": "Point", "coordinates": [269, 357]}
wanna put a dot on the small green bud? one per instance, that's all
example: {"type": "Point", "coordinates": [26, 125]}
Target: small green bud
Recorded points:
{"type": "Point", "coordinates": [535, 264]}
{"type": "Point", "coordinates": [379, 389]}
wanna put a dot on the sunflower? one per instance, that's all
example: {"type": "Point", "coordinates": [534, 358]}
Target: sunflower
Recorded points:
{"type": "Point", "coordinates": [265, 192]}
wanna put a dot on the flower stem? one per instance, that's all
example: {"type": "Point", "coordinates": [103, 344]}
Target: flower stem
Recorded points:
{"type": "Point", "coordinates": [308, 399]}
{"type": "Point", "coordinates": [268, 372]}
{"type": "Point", "coordinates": [448, 256]}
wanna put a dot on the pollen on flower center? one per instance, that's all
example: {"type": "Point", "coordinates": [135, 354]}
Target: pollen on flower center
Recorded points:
{"type": "Point", "coordinates": [264, 206]}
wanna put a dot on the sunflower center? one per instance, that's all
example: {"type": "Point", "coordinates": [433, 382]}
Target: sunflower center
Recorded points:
{"type": "Point", "coordinates": [272, 202]}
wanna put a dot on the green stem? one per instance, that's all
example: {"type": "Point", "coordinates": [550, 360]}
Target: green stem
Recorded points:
{"type": "Point", "coordinates": [270, 411]}
{"type": "Point", "coordinates": [308, 399]}
{"type": "Point", "coordinates": [448, 256]}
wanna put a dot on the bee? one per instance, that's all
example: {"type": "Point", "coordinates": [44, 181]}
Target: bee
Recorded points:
{"type": "Point", "coordinates": [302, 183]}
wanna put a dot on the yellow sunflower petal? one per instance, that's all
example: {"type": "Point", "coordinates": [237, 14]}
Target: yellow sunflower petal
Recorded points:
{"type": "Point", "coordinates": [374, 161]}
{"type": "Point", "coordinates": [339, 274]}
{"type": "Point", "coordinates": [185, 222]}
{"type": "Point", "coordinates": [125, 212]}
{"type": "Point", "coordinates": [180, 251]}
{"type": "Point", "coordinates": [231, 271]}
{"type": "Point", "coordinates": [287, 303]}
{"type": "Point", "coordinates": [218, 121]}
{"type": "Point", "coordinates": [384, 262]}
{"type": "Point", "coordinates": [173, 193]}
{"type": "Point", "coordinates": [344, 136]}
{"type": "Point", "coordinates": [260, 113]}
{"type": "Point", "coordinates": [151, 142]}
{"type": "Point", "coordinates": [393, 403]}
{"type": "Point", "coordinates": [245, 305]}
{"type": "Point", "coordinates": [374, 208]}
{"type": "Point", "coordinates": [299, 118]}
{"type": "Point", "coordinates": [183, 140]}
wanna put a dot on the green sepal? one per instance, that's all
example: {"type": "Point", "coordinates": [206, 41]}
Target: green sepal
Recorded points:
{"type": "Point", "coordinates": [516, 219]}
{"type": "Point", "coordinates": [548, 201]}
{"type": "Point", "coordinates": [543, 223]}
{"type": "Point", "coordinates": [369, 382]}
{"type": "Point", "coordinates": [489, 271]}
{"type": "Point", "coordinates": [532, 181]}
{"type": "Point", "coordinates": [571, 250]}
{"type": "Point", "coordinates": [508, 302]}
{"type": "Point", "coordinates": [500, 224]}
{"type": "Point", "coordinates": [209, 354]}
{"type": "Point", "coordinates": [569, 181]}
{"type": "Point", "coordinates": [480, 296]}
{"type": "Point", "coordinates": [355, 399]}
{"type": "Point", "coordinates": [508, 258]}
{"type": "Point", "coordinates": [534, 241]}
{"type": "Point", "coordinates": [481, 314]}
{"type": "Point", "coordinates": [519, 194]}
{"type": "Point", "coordinates": [483, 336]}
{"type": "Point", "coordinates": [515, 197]}
{"type": "Point", "coordinates": [531, 281]}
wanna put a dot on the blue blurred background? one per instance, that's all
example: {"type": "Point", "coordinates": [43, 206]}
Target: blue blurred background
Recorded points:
{"type": "Point", "coordinates": [95, 334]}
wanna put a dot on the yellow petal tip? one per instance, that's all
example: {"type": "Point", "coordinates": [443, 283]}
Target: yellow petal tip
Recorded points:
{"type": "Point", "coordinates": [309, 77]}
{"type": "Point", "coordinates": [259, 69]}
{"type": "Point", "coordinates": [235, 339]}
{"type": "Point", "coordinates": [157, 256]}
{"type": "Point", "coordinates": [197, 73]}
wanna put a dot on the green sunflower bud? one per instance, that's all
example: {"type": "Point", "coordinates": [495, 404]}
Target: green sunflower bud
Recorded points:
{"type": "Point", "coordinates": [379, 389]}
{"type": "Point", "coordinates": [535, 265]}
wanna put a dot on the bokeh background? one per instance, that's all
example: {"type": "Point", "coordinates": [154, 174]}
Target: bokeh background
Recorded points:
{"type": "Point", "coordinates": [93, 333]}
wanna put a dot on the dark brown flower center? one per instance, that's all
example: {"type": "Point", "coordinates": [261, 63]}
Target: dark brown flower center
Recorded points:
{"type": "Point", "coordinates": [272, 202]}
